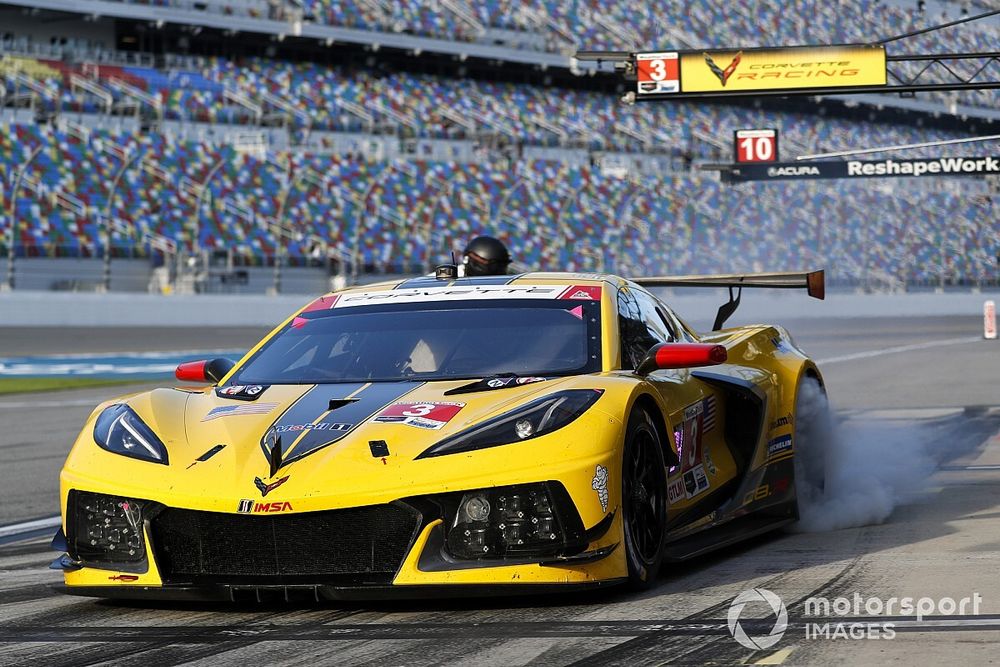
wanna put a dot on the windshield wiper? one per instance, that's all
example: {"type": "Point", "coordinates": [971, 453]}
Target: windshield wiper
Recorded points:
{"type": "Point", "coordinates": [497, 381]}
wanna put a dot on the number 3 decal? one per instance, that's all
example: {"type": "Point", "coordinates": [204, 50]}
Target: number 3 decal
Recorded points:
{"type": "Point", "coordinates": [419, 410]}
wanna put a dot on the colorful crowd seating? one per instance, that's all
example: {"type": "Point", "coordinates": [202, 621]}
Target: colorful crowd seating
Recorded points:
{"type": "Point", "coordinates": [414, 213]}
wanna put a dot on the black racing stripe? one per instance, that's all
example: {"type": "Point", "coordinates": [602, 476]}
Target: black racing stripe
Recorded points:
{"type": "Point", "coordinates": [308, 407]}
{"type": "Point", "coordinates": [344, 419]}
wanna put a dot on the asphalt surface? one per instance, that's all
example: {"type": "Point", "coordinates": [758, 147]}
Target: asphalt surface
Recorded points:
{"type": "Point", "coordinates": [893, 383]}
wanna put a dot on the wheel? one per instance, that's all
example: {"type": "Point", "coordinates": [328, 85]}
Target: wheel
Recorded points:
{"type": "Point", "coordinates": [811, 439]}
{"type": "Point", "coordinates": [644, 500]}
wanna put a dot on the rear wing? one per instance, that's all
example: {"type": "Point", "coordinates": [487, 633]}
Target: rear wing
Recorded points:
{"type": "Point", "coordinates": [811, 281]}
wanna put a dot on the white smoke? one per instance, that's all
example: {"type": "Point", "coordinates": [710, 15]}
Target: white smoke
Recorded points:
{"type": "Point", "coordinates": [853, 473]}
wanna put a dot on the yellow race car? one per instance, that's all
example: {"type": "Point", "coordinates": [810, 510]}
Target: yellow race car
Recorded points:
{"type": "Point", "coordinates": [508, 434]}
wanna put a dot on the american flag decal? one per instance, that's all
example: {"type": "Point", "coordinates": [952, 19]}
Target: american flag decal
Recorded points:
{"type": "Point", "coordinates": [709, 415]}
{"type": "Point", "coordinates": [236, 410]}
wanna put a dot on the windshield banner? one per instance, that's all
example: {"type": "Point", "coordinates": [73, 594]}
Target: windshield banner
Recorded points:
{"type": "Point", "coordinates": [469, 293]}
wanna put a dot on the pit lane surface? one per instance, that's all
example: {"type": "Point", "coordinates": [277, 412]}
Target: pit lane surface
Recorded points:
{"type": "Point", "coordinates": [932, 377]}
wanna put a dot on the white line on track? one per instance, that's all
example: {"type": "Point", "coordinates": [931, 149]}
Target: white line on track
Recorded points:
{"type": "Point", "coordinates": [30, 526]}
{"type": "Point", "coordinates": [20, 405]}
{"type": "Point", "coordinates": [899, 348]}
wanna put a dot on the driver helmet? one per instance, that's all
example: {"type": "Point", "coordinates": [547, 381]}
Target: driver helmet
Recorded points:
{"type": "Point", "coordinates": [485, 256]}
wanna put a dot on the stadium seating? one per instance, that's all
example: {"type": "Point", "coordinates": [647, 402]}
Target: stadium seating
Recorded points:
{"type": "Point", "coordinates": [327, 98]}
{"type": "Point", "coordinates": [390, 214]}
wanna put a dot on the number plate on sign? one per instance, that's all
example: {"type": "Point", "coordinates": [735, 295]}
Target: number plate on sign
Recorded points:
{"type": "Point", "coordinates": [756, 146]}
{"type": "Point", "coordinates": [658, 73]}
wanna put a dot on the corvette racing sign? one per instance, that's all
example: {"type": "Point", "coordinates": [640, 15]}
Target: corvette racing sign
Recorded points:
{"type": "Point", "coordinates": [806, 67]}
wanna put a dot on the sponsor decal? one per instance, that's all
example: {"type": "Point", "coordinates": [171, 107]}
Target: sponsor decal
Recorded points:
{"type": "Point", "coordinates": [319, 426]}
{"type": "Point", "coordinates": [723, 74]}
{"type": "Point", "coordinates": [695, 481]}
{"type": "Point", "coordinates": [693, 411]}
{"type": "Point", "coordinates": [267, 488]}
{"type": "Point", "coordinates": [675, 490]}
{"type": "Point", "coordinates": [259, 508]}
{"type": "Point", "coordinates": [582, 292]}
{"type": "Point", "coordinates": [890, 168]}
{"type": "Point", "coordinates": [238, 410]}
{"type": "Point", "coordinates": [933, 167]}
{"type": "Point", "coordinates": [782, 69]}
{"type": "Point", "coordinates": [453, 293]}
{"type": "Point", "coordinates": [778, 445]}
{"type": "Point", "coordinates": [710, 464]}
{"type": "Point", "coordinates": [766, 490]}
{"type": "Point", "coordinates": [124, 577]}
{"type": "Point", "coordinates": [245, 506]}
{"type": "Point", "coordinates": [600, 484]}
{"type": "Point", "coordinates": [795, 170]}
{"type": "Point", "coordinates": [428, 414]}
{"type": "Point", "coordinates": [786, 420]}
{"type": "Point", "coordinates": [240, 392]}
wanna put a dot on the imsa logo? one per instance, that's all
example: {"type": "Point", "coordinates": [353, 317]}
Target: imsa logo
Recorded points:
{"type": "Point", "coordinates": [248, 506]}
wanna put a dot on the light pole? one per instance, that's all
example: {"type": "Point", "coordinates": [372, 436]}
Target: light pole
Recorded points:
{"type": "Point", "coordinates": [12, 238]}
{"type": "Point", "coordinates": [107, 216]}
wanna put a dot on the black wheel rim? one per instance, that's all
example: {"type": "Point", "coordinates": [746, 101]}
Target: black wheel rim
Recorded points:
{"type": "Point", "coordinates": [643, 491]}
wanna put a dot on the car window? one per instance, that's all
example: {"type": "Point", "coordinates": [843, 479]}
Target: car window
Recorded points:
{"type": "Point", "coordinates": [431, 341]}
{"type": "Point", "coordinates": [653, 317]}
{"type": "Point", "coordinates": [637, 335]}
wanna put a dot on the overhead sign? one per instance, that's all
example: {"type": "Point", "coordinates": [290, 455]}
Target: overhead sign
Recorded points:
{"type": "Point", "coordinates": [942, 166]}
{"type": "Point", "coordinates": [795, 68]}
{"type": "Point", "coordinates": [755, 146]}
{"type": "Point", "coordinates": [658, 72]}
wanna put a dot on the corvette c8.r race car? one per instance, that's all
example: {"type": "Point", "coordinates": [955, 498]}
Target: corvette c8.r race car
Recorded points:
{"type": "Point", "coordinates": [509, 434]}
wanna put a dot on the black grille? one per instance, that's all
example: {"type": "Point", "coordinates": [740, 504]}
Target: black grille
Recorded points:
{"type": "Point", "coordinates": [363, 545]}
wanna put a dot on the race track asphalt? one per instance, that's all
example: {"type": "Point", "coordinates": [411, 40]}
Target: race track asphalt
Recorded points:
{"type": "Point", "coordinates": [895, 383]}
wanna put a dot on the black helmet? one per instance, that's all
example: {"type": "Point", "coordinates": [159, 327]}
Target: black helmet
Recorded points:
{"type": "Point", "coordinates": [485, 256]}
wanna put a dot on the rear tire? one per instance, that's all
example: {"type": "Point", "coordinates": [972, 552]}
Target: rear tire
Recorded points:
{"type": "Point", "coordinates": [644, 500]}
{"type": "Point", "coordinates": [813, 426]}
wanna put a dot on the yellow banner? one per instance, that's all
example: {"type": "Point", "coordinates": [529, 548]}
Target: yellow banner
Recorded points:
{"type": "Point", "coordinates": [780, 69]}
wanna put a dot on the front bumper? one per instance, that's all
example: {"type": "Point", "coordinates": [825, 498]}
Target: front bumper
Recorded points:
{"type": "Point", "coordinates": [424, 567]}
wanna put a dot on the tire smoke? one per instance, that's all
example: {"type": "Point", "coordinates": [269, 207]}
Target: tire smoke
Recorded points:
{"type": "Point", "coordinates": [853, 474]}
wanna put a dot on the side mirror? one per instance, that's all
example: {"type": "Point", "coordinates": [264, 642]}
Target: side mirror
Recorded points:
{"type": "Point", "coordinates": [681, 355]}
{"type": "Point", "coordinates": [204, 371]}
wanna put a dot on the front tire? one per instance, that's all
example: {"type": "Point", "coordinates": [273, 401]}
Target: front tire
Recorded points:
{"type": "Point", "coordinates": [644, 500]}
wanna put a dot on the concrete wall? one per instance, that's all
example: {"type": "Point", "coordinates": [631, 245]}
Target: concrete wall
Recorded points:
{"type": "Point", "coordinates": [27, 308]}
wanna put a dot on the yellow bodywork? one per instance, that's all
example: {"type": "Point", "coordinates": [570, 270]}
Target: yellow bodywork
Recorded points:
{"type": "Point", "coordinates": [345, 474]}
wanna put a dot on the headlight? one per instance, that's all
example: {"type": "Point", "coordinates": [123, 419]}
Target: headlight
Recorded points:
{"type": "Point", "coordinates": [105, 529]}
{"type": "Point", "coordinates": [531, 420]}
{"type": "Point", "coordinates": [528, 520]}
{"type": "Point", "coordinates": [118, 429]}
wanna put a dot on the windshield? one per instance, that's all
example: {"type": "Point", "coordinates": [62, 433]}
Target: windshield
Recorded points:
{"type": "Point", "coordinates": [431, 341]}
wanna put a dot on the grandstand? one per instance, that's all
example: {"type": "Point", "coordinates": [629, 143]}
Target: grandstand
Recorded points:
{"type": "Point", "coordinates": [361, 167]}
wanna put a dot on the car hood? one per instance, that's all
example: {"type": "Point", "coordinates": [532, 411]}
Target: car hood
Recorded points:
{"type": "Point", "coordinates": [333, 440]}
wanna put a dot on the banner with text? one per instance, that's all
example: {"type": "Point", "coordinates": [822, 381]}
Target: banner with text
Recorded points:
{"type": "Point", "coordinates": [942, 166]}
{"type": "Point", "coordinates": [782, 69]}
